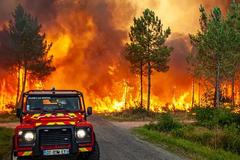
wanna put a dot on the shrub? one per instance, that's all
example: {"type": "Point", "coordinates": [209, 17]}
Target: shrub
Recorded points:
{"type": "Point", "coordinates": [166, 123]}
{"type": "Point", "coordinates": [231, 139]}
{"type": "Point", "coordinates": [236, 118]}
{"type": "Point", "coordinates": [5, 141]}
{"type": "Point", "coordinates": [181, 132]}
{"type": "Point", "coordinates": [134, 113]}
{"type": "Point", "coordinates": [204, 116]}
{"type": "Point", "coordinates": [195, 134]}
{"type": "Point", "coordinates": [223, 116]}
{"type": "Point", "coordinates": [210, 117]}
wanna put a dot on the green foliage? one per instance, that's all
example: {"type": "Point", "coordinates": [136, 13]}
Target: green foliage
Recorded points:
{"type": "Point", "coordinates": [201, 135]}
{"type": "Point", "coordinates": [181, 132]}
{"type": "Point", "coordinates": [217, 128]}
{"type": "Point", "coordinates": [236, 118]}
{"type": "Point", "coordinates": [231, 139]}
{"type": "Point", "coordinates": [204, 116]}
{"type": "Point", "coordinates": [147, 49]}
{"type": "Point", "coordinates": [166, 123]}
{"type": "Point", "coordinates": [211, 117]}
{"type": "Point", "coordinates": [5, 142]}
{"type": "Point", "coordinates": [8, 117]}
{"type": "Point", "coordinates": [186, 147]}
{"type": "Point", "coordinates": [30, 47]}
{"type": "Point", "coordinates": [217, 56]}
{"type": "Point", "coordinates": [133, 114]}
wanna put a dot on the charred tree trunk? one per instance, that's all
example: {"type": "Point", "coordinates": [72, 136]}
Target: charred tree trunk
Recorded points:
{"type": "Point", "coordinates": [149, 87]}
{"type": "Point", "coordinates": [23, 83]}
{"type": "Point", "coordinates": [193, 89]}
{"type": "Point", "coordinates": [199, 94]}
{"type": "Point", "coordinates": [18, 85]}
{"type": "Point", "coordinates": [217, 87]}
{"type": "Point", "coordinates": [141, 84]}
{"type": "Point", "coordinates": [233, 90]}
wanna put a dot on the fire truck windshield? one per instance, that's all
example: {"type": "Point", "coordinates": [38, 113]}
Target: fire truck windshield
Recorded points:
{"type": "Point", "coordinates": [53, 104]}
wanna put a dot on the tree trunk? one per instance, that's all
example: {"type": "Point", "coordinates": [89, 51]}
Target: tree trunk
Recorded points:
{"type": "Point", "coordinates": [18, 85]}
{"type": "Point", "coordinates": [141, 84]}
{"type": "Point", "coordinates": [23, 84]}
{"type": "Point", "coordinates": [149, 87]}
{"type": "Point", "coordinates": [199, 94]}
{"type": "Point", "coordinates": [233, 90]}
{"type": "Point", "coordinates": [193, 88]}
{"type": "Point", "coordinates": [217, 89]}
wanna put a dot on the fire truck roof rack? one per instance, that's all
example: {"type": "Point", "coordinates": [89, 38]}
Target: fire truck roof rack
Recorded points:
{"type": "Point", "coordinates": [50, 92]}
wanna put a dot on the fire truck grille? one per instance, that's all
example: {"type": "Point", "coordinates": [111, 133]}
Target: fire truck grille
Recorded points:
{"type": "Point", "coordinates": [55, 136]}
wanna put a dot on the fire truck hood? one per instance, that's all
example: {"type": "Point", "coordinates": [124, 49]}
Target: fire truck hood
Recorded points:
{"type": "Point", "coordinates": [38, 119]}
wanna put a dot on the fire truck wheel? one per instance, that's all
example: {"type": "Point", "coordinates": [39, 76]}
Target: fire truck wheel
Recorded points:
{"type": "Point", "coordinates": [13, 157]}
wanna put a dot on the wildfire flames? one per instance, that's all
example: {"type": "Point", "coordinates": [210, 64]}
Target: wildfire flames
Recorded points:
{"type": "Point", "coordinates": [88, 39]}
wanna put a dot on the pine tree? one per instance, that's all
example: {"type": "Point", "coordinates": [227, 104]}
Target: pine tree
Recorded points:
{"type": "Point", "coordinates": [215, 43]}
{"type": "Point", "coordinates": [30, 46]}
{"type": "Point", "coordinates": [148, 40]}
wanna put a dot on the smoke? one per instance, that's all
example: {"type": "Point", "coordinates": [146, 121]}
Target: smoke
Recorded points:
{"type": "Point", "coordinates": [89, 35]}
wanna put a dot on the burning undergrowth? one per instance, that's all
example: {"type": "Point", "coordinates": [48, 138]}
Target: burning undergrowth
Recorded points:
{"type": "Point", "coordinates": [88, 39]}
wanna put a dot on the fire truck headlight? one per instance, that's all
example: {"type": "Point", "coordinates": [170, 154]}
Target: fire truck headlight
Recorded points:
{"type": "Point", "coordinates": [20, 133]}
{"type": "Point", "coordinates": [29, 136]}
{"type": "Point", "coordinates": [81, 133]}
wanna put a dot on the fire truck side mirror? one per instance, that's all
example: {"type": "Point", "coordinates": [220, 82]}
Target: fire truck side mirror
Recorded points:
{"type": "Point", "coordinates": [89, 111]}
{"type": "Point", "coordinates": [19, 112]}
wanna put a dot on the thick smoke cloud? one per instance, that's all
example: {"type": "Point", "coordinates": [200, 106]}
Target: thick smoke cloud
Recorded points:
{"type": "Point", "coordinates": [88, 38]}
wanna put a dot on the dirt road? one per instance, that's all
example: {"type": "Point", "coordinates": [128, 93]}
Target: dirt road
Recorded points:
{"type": "Point", "coordinates": [117, 143]}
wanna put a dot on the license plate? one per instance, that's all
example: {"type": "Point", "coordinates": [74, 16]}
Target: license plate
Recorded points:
{"type": "Point", "coordinates": [55, 152]}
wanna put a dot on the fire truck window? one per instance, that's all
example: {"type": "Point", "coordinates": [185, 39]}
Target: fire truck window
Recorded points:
{"type": "Point", "coordinates": [53, 103]}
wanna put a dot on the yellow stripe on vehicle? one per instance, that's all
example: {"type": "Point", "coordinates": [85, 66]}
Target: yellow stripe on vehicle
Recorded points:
{"type": "Point", "coordinates": [35, 116]}
{"type": "Point", "coordinates": [27, 153]}
{"type": "Point", "coordinates": [60, 123]}
{"type": "Point", "coordinates": [83, 150]}
{"type": "Point", "coordinates": [72, 114]}
{"type": "Point", "coordinates": [50, 123]}
{"type": "Point", "coordinates": [48, 115]}
{"type": "Point", "coordinates": [60, 114]}
{"type": "Point", "coordinates": [72, 123]}
{"type": "Point", "coordinates": [38, 124]}
{"type": "Point", "coordinates": [55, 123]}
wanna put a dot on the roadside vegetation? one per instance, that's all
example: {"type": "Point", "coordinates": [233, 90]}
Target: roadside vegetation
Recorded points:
{"type": "Point", "coordinates": [213, 133]}
{"type": "Point", "coordinates": [8, 117]}
{"type": "Point", "coordinates": [132, 114]}
{"type": "Point", "coordinates": [5, 142]}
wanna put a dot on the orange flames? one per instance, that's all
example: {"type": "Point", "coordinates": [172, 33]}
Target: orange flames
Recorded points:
{"type": "Point", "coordinates": [88, 39]}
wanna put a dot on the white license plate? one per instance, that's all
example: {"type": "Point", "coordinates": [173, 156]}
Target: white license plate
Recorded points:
{"type": "Point", "coordinates": [55, 152]}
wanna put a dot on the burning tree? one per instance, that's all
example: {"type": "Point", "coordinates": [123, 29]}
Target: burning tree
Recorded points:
{"type": "Point", "coordinates": [135, 55]}
{"type": "Point", "coordinates": [218, 45]}
{"type": "Point", "coordinates": [30, 48]}
{"type": "Point", "coordinates": [233, 20]}
{"type": "Point", "coordinates": [147, 47]}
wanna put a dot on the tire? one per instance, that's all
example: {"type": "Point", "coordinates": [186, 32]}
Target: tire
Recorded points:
{"type": "Point", "coordinates": [13, 157]}
{"type": "Point", "coordinates": [95, 154]}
